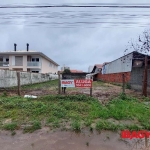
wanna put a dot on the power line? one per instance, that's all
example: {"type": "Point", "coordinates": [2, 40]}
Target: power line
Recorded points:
{"type": "Point", "coordinates": [75, 6]}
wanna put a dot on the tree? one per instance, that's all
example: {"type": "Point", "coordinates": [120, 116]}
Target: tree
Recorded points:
{"type": "Point", "coordinates": [142, 44]}
{"type": "Point", "coordinates": [67, 71]}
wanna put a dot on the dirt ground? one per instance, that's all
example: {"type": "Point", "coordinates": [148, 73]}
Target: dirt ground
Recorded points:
{"type": "Point", "coordinates": [45, 139]}
{"type": "Point", "coordinates": [104, 92]}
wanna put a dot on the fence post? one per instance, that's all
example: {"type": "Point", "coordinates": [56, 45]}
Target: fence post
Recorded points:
{"type": "Point", "coordinates": [59, 88]}
{"type": "Point", "coordinates": [123, 83]}
{"type": "Point", "coordinates": [91, 88]}
{"type": "Point", "coordinates": [18, 83]}
{"type": "Point", "coordinates": [144, 92]}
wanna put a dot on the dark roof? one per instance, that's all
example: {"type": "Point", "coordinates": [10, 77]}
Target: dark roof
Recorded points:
{"type": "Point", "coordinates": [99, 66]}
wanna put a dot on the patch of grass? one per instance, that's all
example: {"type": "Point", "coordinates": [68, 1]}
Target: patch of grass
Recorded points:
{"type": "Point", "coordinates": [10, 126]}
{"type": "Point", "coordinates": [56, 124]}
{"type": "Point", "coordinates": [44, 85]}
{"type": "Point", "coordinates": [35, 126]}
{"type": "Point", "coordinates": [75, 109]}
{"type": "Point", "coordinates": [4, 94]}
{"type": "Point", "coordinates": [76, 126]}
{"type": "Point", "coordinates": [88, 122]}
{"type": "Point", "coordinates": [146, 99]}
{"type": "Point", "coordinates": [98, 83]}
{"type": "Point", "coordinates": [105, 125]}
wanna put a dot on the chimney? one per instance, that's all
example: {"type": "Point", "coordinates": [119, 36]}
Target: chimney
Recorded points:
{"type": "Point", "coordinates": [27, 47]}
{"type": "Point", "coordinates": [15, 46]}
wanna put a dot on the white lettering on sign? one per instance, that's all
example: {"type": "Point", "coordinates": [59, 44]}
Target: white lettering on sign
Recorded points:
{"type": "Point", "coordinates": [83, 81]}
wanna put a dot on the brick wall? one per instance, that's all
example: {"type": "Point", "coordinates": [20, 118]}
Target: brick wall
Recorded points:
{"type": "Point", "coordinates": [114, 77]}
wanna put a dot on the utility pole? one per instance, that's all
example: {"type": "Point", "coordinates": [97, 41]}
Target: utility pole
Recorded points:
{"type": "Point", "coordinates": [144, 92]}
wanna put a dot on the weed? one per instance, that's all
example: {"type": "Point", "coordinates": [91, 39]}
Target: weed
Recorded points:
{"type": "Point", "coordinates": [133, 127]}
{"type": "Point", "coordinates": [88, 122]}
{"type": "Point", "coordinates": [108, 137]}
{"type": "Point", "coordinates": [104, 125]}
{"type": "Point", "coordinates": [10, 126]}
{"type": "Point", "coordinates": [56, 124]}
{"type": "Point", "coordinates": [51, 119]}
{"type": "Point", "coordinates": [87, 143]}
{"type": "Point", "coordinates": [91, 128]}
{"type": "Point", "coordinates": [147, 99]}
{"type": "Point", "coordinates": [35, 126]}
{"type": "Point", "coordinates": [13, 133]}
{"type": "Point", "coordinates": [4, 94]}
{"type": "Point", "coordinates": [128, 86]}
{"type": "Point", "coordinates": [76, 125]}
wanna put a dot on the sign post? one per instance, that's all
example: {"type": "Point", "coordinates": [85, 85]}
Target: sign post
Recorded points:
{"type": "Point", "coordinates": [91, 88]}
{"type": "Point", "coordinates": [59, 86]}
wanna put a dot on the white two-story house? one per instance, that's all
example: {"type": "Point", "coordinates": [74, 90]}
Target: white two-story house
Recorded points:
{"type": "Point", "coordinates": [30, 61]}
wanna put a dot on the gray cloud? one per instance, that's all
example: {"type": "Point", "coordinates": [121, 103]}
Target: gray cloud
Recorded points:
{"type": "Point", "coordinates": [76, 47]}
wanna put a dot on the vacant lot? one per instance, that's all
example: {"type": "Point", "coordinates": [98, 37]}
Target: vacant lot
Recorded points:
{"type": "Point", "coordinates": [74, 111]}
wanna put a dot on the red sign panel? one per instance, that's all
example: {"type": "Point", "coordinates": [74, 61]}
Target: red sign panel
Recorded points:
{"type": "Point", "coordinates": [83, 83]}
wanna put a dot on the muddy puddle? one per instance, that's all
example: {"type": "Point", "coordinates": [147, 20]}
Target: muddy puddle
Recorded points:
{"type": "Point", "coordinates": [45, 139]}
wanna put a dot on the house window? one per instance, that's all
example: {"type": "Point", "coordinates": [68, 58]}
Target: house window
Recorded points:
{"type": "Point", "coordinates": [35, 71]}
{"type": "Point", "coordinates": [7, 59]}
{"type": "Point", "coordinates": [35, 59]}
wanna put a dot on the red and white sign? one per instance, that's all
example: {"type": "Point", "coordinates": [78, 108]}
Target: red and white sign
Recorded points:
{"type": "Point", "coordinates": [78, 83]}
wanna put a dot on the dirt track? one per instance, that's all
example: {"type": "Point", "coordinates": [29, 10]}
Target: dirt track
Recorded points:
{"type": "Point", "coordinates": [62, 140]}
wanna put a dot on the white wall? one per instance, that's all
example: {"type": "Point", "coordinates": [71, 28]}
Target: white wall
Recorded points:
{"type": "Point", "coordinates": [47, 68]}
{"type": "Point", "coordinates": [8, 78]}
{"type": "Point", "coordinates": [123, 64]}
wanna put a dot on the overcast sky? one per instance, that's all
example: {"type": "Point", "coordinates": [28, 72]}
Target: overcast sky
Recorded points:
{"type": "Point", "coordinates": [75, 37]}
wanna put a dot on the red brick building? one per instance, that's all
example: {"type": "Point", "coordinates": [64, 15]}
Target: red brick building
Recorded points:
{"type": "Point", "coordinates": [131, 65]}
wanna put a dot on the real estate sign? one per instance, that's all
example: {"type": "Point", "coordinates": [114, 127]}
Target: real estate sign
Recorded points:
{"type": "Point", "coordinates": [78, 83]}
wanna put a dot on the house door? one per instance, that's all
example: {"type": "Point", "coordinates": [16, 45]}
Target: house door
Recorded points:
{"type": "Point", "coordinates": [18, 60]}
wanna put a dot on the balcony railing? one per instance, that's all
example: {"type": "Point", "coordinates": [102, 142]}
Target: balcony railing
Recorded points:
{"type": "Point", "coordinates": [33, 64]}
{"type": "Point", "coordinates": [4, 64]}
